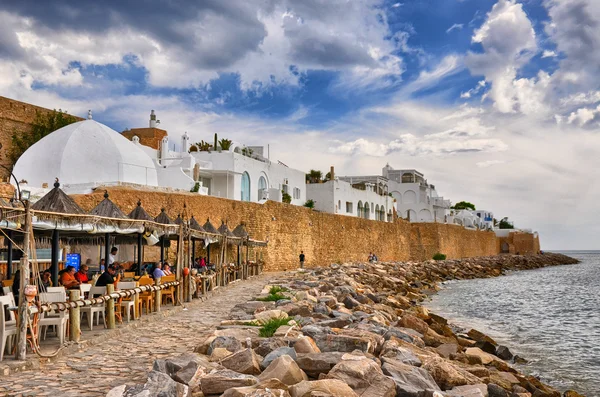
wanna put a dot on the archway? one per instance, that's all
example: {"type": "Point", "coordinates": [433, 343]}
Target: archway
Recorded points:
{"type": "Point", "coordinates": [425, 216]}
{"type": "Point", "coordinates": [245, 194]}
{"type": "Point", "coordinates": [367, 211]}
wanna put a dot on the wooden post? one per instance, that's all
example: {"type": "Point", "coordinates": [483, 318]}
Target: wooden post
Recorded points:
{"type": "Point", "coordinates": [186, 288]}
{"type": "Point", "coordinates": [9, 255]}
{"type": "Point", "coordinates": [23, 305]}
{"type": "Point", "coordinates": [54, 256]}
{"type": "Point", "coordinates": [74, 327]}
{"type": "Point", "coordinates": [136, 303]}
{"type": "Point", "coordinates": [157, 296]}
{"type": "Point", "coordinates": [140, 254]}
{"type": "Point", "coordinates": [110, 307]}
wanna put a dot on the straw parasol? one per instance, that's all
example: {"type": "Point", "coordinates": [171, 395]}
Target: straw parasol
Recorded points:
{"type": "Point", "coordinates": [194, 225]}
{"type": "Point", "coordinates": [163, 218]}
{"type": "Point", "coordinates": [57, 201]}
{"type": "Point", "coordinates": [210, 228]}
{"type": "Point", "coordinates": [108, 209]}
{"type": "Point", "coordinates": [139, 213]}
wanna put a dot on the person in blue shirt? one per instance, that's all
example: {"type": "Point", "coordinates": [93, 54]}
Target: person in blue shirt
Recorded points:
{"type": "Point", "coordinates": [158, 273]}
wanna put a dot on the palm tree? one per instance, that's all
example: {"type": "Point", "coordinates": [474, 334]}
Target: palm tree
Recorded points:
{"type": "Point", "coordinates": [314, 176]}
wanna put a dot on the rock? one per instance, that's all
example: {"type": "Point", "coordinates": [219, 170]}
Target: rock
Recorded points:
{"type": "Point", "coordinates": [328, 300]}
{"type": "Point", "coordinates": [186, 374]}
{"type": "Point", "coordinates": [268, 388]}
{"type": "Point", "coordinates": [158, 384]}
{"type": "Point", "coordinates": [166, 367]}
{"type": "Point", "coordinates": [267, 345]}
{"type": "Point", "coordinates": [447, 375]}
{"type": "Point", "coordinates": [285, 369]}
{"type": "Point", "coordinates": [519, 360]}
{"type": "Point", "coordinates": [350, 302]}
{"type": "Point", "coordinates": [504, 353]}
{"type": "Point", "coordinates": [335, 322]}
{"type": "Point", "coordinates": [267, 315]}
{"type": "Point", "coordinates": [364, 377]}
{"type": "Point", "coordinates": [413, 322]}
{"type": "Point", "coordinates": [433, 339]}
{"type": "Point", "coordinates": [306, 345]}
{"type": "Point", "coordinates": [486, 347]}
{"type": "Point", "coordinates": [245, 362]}
{"type": "Point", "coordinates": [315, 331]}
{"type": "Point", "coordinates": [304, 295]}
{"type": "Point", "coordinates": [392, 350]}
{"type": "Point", "coordinates": [218, 354]}
{"type": "Point", "coordinates": [410, 381]}
{"type": "Point", "coordinates": [479, 355]}
{"type": "Point", "coordinates": [496, 391]}
{"type": "Point", "coordinates": [478, 370]}
{"type": "Point", "coordinates": [287, 331]}
{"type": "Point", "coordinates": [480, 337]}
{"type": "Point", "coordinates": [217, 381]}
{"type": "Point", "coordinates": [447, 349]}
{"type": "Point", "coordinates": [118, 391]}
{"type": "Point", "coordinates": [478, 390]}
{"type": "Point", "coordinates": [326, 387]}
{"type": "Point", "coordinates": [315, 364]}
{"type": "Point", "coordinates": [343, 343]}
{"type": "Point", "coordinates": [226, 342]}
{"type": "Point", "coordinates": [269, 358]}
{"type": "Point", "coordinates": [572, 393]}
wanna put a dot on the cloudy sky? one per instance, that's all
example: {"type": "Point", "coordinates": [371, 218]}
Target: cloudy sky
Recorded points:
{"type": "Point", "coordinates": [496, 101]}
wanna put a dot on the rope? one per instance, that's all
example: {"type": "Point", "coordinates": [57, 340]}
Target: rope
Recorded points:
{"type": "Point", "coordinates": [34, 342]}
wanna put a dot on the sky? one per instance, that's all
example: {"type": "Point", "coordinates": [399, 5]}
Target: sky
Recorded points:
{"type": "Point", "coordinates": [497, 102]}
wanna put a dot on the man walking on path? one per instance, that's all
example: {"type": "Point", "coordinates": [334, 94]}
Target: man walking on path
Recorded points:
{"type": "Point", "coordinates": [302, 259]}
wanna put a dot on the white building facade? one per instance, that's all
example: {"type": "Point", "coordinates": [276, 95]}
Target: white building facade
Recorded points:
{"type": "Point", "coordinates": [338, 196]}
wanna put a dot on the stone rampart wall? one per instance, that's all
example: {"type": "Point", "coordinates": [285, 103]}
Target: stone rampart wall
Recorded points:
{"type": "Point", "coordinates": [324, 238]}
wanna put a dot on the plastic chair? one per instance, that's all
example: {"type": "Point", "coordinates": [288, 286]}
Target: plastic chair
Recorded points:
{"type": "Point", "coordinates": [8, 332]}
{"type": "Point", "coordinates": [56, 319]}
{"type": "Point", "coordinates": [93, 312]}
{"type": "Point", "coordinates": [57, 289]}
{"type": "Point", "coordinates": [127, 304]}
{"type": "Point", "coordinates": [6, 290]}
{"type": "Point", "coordinates": [84, 290]}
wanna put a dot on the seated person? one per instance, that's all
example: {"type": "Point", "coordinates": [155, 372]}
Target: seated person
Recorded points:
{"type": "Point", "coordinates": [158, 273]}
{"type": "Point", "coordinates": [46, 281]}
{"type": "Point", "coordinates": [108, 277]}
{"type": "Point", "coordinates": [67, 279]}
{"type": "Point", "coordinates": [82, 274]}
{"type": "Point", "coordinates": [167, 269]}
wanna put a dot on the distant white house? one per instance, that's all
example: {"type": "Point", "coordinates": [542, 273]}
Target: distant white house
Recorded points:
{"type": "Point", "coordinates": [362, 200]}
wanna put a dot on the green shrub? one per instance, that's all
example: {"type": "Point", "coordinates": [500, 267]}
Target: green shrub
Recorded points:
{"type": "Point", "coordinates": [268, 329]}
{"type": "Point", "coordinates": [276, 289]}
{"type": "Point", "coordinates": [196, 188]}
{"type": "Point", "coordinates": [439, 257]}
{"type": "Point", "coordinates": [310, 204]}
{"type": "Point", "coordinates": [286, 198]}
{"type": "Point", "coordinates": [271, 298]}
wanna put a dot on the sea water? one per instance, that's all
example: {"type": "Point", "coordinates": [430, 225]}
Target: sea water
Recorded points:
{"type": "Point", "coordinates": [550, 316]}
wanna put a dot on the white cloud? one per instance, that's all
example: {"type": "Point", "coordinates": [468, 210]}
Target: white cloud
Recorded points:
{"type": "Point", "coordinates": [488, 163]}
{"type": "Point", "coordinates": [549, 54]}
{"type": "Point", "coordinates": [456, 26]}
{"type": "Point", "coordinates": [473, 91]}
{"type": "Point", "coordinates": [583, 116]}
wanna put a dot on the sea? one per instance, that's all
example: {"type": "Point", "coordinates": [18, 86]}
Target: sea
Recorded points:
{"type": "Point", "coordinates": [550, 317]}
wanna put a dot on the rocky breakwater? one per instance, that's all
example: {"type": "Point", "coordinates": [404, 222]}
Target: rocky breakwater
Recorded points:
{"type": "Point", "coordinates": [350, 330]}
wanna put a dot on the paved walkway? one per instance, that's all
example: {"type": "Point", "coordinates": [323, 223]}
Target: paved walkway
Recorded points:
{"type": "Point", "coordinates": [127, 358]}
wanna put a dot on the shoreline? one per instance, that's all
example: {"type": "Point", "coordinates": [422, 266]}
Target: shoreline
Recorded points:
{"type": "Point", "coordinates": [354, 329]}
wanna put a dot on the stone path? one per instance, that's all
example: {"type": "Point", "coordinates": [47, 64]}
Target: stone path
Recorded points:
{"type": "Point", "coordinates": [127, 358]}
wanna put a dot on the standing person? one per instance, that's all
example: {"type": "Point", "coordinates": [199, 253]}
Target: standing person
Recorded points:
{"type": "Point", "coordinates": [302, 259]}
{"type": "Point", "coordinates": [102, 266]}
{"type": "Point", "coordinates": [113, 255]}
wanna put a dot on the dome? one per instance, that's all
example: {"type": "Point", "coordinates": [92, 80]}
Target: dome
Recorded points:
{"type": "Point", "coordinates": [85, 152]}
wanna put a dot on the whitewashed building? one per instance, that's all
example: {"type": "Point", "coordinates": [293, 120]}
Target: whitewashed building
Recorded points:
{"type": "Point", "coordinates": [486, 219]}
{"type": "Point", "coordinates": [87, 154]}
{"type": "Point", "coordinates": [362, 200]}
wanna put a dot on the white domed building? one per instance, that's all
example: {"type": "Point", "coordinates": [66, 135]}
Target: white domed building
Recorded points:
{"type": "Point", "coordinates": [83, 155]}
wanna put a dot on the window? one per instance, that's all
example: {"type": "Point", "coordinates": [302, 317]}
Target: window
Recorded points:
{"type": "Point", "coordinates": [348, 207]}
{"type": "Point", "coordinates": [262, 183]}
{"type": "Point", "coordinates": [245, 187]}
{"type": "Point", "coordinates": [296, 193]}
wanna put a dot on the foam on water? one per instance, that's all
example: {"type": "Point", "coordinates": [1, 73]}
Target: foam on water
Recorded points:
{"type": "Point", "coordinates": [549, 316]}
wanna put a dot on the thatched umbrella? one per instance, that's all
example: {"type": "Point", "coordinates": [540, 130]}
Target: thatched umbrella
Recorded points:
{"type": "Point", "coordinates": [139, 213]}
{"type": "Point", "coordinates": [210, 228]}
{"type": "Point", "coordinates": [178, 220]}
{"type": "Point", "coordinates": [108, 209]}
{"type": "Point", "coordinates": [240, 231]}
{"type": "Point", "coordinates": [194, 225]}
{"type": "Point", "coordinates": [163, 218]}
{"type": "Point", "coordinates": [57, 201]}
{"type": "Point", "coordinates": [224, 230]}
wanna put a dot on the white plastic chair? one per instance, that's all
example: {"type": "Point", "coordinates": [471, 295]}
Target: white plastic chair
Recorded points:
{"type": "Point", "coordinates": [93, 312]}
{"type": "Point", "coordinates": [57, 289]}
{"type": "Point", "coordinates": [128, 305]}
{"type": "Point", "coordinates": [84, 289]}
{"type": "Point", "coordinates": [8, 332]}
{"type": "Point", "coordinates": [56, 319]}
{"type": "Point", "coordinates": [6, 290]}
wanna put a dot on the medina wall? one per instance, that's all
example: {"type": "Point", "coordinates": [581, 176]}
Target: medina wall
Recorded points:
{"type": "Point", "coordinates": [324, 238]}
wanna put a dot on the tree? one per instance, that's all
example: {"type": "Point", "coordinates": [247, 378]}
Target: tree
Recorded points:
{"type": "Point", "coordinates": [506, 224]}
{"type": "Point", "coordinates": [327, 177]}
{"type": "Point", "coordinates": [464, 205]}
{"type": "Point", "coordinates": [43, 124]}
{"type": "Point", "coordinates": [310, 204]}
{"type": "Point", "coordinates": [314, 176]}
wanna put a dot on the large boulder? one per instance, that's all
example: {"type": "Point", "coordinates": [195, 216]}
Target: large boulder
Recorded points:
{"type": "Point", "coordinates": [267, 345]}
{"type": "Point", "coordinates": [225, 342]}
{"type": "Point", "coordinates": [315, 364]}
{"type": "Point", "coordinates": [410, 381]}
{"type": "Point", "coordinates": [158, 384]}
{"type": "Point", "coordinates": [285, 369]}
{"type": "Point", "coordinates": [325, 387]}
{"type": "Point", "coordinates": [217, 381]}
{"type": "Point", "coordinates": [344, 343]}
{"type": "Point", "coordinates": [364, 377]}
{"type": "Point", "coordinates": [392, 350]}
{"type": "Point", "coordinates": [306, 344]}
{"type": "Point", "coordinates": [480, 337]}
{"type": "Point", "coordinates": [496, 391]}
{"type": "Point", "coordinates": [267, 315]}
{"type": "Point", "coordinates": [478, 390]}
{"type": "Point", "coordinates": [268, 388]}
{"type": "Point", "coordinates": [245, 362]}
{"type": "Point", "coordinates": [448, 375]}
{"type": "Point", "coordinates": [282, 351]}
{"type": "Point", "coordinates": [413, 322]}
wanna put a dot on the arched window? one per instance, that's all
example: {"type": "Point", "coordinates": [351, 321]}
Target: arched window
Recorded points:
{"type": "Point", "coordinates": [245, 187]}
{"type": "Point", "coordinates": [367, 212]}
{"type": "Point", "coordinates": [262, 185]}
{"type": "Point", "coordinates": [360, 209]}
